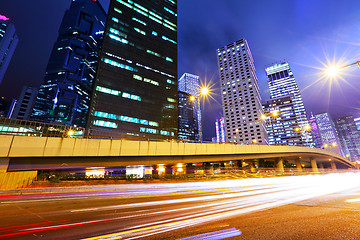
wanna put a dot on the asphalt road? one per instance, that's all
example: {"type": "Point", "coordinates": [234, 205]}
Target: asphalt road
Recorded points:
{"type": "Point", "coordinates": [301, 207]}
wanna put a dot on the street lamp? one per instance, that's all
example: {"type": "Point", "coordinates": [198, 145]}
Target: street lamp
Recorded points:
{"type": "Point", "coordinates": [333, 71]}
{"type": "Point", "coordinates": [272, 114]}
{"type": "Point", "coordinates": [203, 92]}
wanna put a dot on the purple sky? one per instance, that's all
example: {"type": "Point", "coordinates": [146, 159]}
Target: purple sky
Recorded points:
{"type": "Point", "coordinates": [304, 32]}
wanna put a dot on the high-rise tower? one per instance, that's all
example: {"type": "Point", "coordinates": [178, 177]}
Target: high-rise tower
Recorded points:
{"type": "Point", "coordinates": [190, 84]}
{"type": "Point", "coordinates": [349, 137]}
{"type": "Point", "coordinates": [282, 83]}
{"type": "Point", "coordinates": [136, 82]}
{"type": "Point", "coordinates": [8, 42]}
{"type": "Point", "coordinates": [65, 94]}
{"type": "Point", "coordinates": [241, 99]}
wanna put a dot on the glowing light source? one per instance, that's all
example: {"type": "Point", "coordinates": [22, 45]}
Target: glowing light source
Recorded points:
{"type": "Point", "coordinates": [204, 90]}
{"type": "Point", "coordinates": [192, 98]}
{"type": "Point", "coordinates": [70, 133]}
{"type": "Point", "coordinates": [332, 71]}
{"type": "Point", "coordinates": [2, 17]}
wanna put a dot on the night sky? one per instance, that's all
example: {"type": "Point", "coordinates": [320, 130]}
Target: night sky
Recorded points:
{"type": "Point", "coordinates": [306, 33]}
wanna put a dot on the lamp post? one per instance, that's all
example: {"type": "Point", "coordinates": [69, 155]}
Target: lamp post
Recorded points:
{"type": "Point", "coordinates": [202, 92]}
{"type": "Point", "coordinates": [332, 71]}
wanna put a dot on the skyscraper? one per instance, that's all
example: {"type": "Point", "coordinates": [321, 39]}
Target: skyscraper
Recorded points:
{"type": "Point", "coordinates": [65, 94]}
{"type": "Point", "coordinates": [315, 132]}
{"type": "Point", "coordinates": [241, 99]}
{"type": "Point", "coordinates": [281, 122]}
{"type": "Point", "coordinates": [328, 133]}
{"type": "Point", "coordinates": [188, 128]}
{"type": "Point", "coordinates": [220, 130]}
{"type": "Point", "coordinates": [8, 42]}
{"type": "Point", "coordinates": [136, 82]}
{"type": "Point", "coordinates": [282, 83]}
{"type": "Point", "coordinates": [357, 123]}
{"type": "Point", "coordinates": [25, 103]}
{"type": "Point", "coordinates": [190, 84]}
{"type": "Point", "coordinates": [349, 137]}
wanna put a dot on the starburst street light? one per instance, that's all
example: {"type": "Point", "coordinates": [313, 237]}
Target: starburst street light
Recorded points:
{"type": "Point", "coordinates": [333, 70]}
{"type": "Point", "coordinates": [203, 91]}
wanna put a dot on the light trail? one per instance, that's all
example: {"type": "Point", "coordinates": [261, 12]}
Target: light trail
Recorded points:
{"type": "Point", "coordinates": [207, 202]}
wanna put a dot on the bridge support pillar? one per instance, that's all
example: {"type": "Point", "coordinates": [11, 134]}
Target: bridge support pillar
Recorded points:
{"type": "Point", "coordinates": [298, 164]}
{"type": "Point", "coordinates": [321, 167]}
{"type": "Point", "coordinates": [314, 165]}
{"type": "Point", "coordinates": [4, 164]}
{"type": "Point", "coordinates": [333, 166]}
{"type": "Point", "coordinates": [279, 165]}
{"type": "Point", "coordinates": [252, 167]}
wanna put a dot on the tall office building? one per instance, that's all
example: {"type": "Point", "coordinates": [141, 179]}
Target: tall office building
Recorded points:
{"type": "Point", "coordinates": [188, 128]}
{"type": "Point", "coordinates": [282, 83]}
{"type": "Point", "coordinates": [8, 42]}
{"type": "Point", "coordinates": [220, 130]}
{"type": "Point", "coordinates": [281, 122]}
{"type": "Point", "coordinates": [136, 82]}
{"type": "Point", "coordinates": [315, 132]}
{"type": "Point", "coordinates": [241, 99]}
{"type": "Point", "coordinates": [328, 133]}
{"type": "Point", "coordinates": [64, 96]}
{"type": "Point", "coordinates": [350, 136]}
{"type": "Point", "coordinates": [25, 103]}
{"type": "Point", "coordinates": [190, 84]}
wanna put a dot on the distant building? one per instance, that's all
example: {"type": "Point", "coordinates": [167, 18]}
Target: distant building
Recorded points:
{"type": "Point", "coordinates": [357, 123]}
{"type": "Point", "coordinates": [241, 100]}
{"type": "Point", "coordinates": [8, 42]}
{"type": "Point", "coordinates": [315, 132]}
{"type": "Point", "coordinates": [220, 130]}
{"type": "Point", "coordinates": [282, 83]}
{"type": "Point", "coordinates": [188, 128]}
{"type": "Point", "coordinates": [189, 83]}
{"type": "Point", "coordinates": [350, 136]}
{"type": "Point", "coordinates": [25, 103]}
{"type": "Point", "coordinates": [281, 122]}
{"type": "Point", "coordinates": [328, 133]}
{"type": "Point", "coordinates": [136, 82]}
{"type": "Point", "coordinates": [64, 97]}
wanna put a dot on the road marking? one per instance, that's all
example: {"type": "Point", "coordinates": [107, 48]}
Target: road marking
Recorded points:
{"type": "Point", "coordinates": [84, 210]}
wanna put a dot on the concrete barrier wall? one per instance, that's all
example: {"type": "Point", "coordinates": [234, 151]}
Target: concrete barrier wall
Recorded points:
{"type": "Point", "coordinates": [13, 180]}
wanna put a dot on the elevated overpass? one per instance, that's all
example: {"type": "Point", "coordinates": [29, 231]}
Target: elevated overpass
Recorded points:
{"type": "Point", "coordinates": [23, 153]}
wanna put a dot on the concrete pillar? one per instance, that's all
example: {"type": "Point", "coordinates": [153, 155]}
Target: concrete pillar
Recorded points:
{"type": "Point", "coordinates": [298, 164]}
{"type": "Point", "coordinates": [321, 167]}
{"type": "Point", "coordinates": [279, 165]}
{"type": "Point", "coordinates": [333, 166]}
{"type": "Point", "coordinates": [314, 165]}
{"type": "Point", "coordinates": [4, 164]}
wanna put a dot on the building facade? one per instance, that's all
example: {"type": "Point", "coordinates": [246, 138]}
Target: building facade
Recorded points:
{"type": "Point", "coordinates": [25, 103]}
{"type": "Point", "coordinates": [8, 43]}
{"type": "Point", "coordinates": [136, 83]}
{"type": "Point", "coordinates": [328, 133]}
{"type": "Point", "coordinates": [190, 84]}
{"type": "Point", "coordinates": [349, 137]}
{"type": "Point", "coordinates": [357, 123]}
{"type": "Point", "coordinates": [282, 83]}
{"type": "Point", "coordinates": [281, 122]}
{"type": "Point", "coordinates": [315, 132]}
{"type": "Point", "coordinates": [220, 130]}
{"type": "Point", "coordinates": [241, 99]}
{"type": "Point", "coordinates": [64, 97]}
{"type": "Point", "coordinates": [188, 128]}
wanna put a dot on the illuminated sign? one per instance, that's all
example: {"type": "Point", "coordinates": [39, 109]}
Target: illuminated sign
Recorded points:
{"type": "Point", "coordinates": [2, 17]}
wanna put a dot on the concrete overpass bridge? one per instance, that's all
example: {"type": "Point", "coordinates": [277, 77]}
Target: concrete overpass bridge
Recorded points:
{"type": "Point", "coordinates": [23, 153]}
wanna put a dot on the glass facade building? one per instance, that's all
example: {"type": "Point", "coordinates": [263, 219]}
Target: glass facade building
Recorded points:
{"type": "Point", "coordinates": [190, 84]}
{"type": "Point", "coordinates": [282, 83]}
{"type": "Point", "coordinates": [315, 132]}
{"type": "Point", "coordinates": [188, 128]}
{"type": "Point", "coordinates": [25, 103]}
{"type": "Point", "coordinates": [328, 133]}
{"type": "Point", "coordinates": [64, 97]}
{"type": "Point", "coordinates": [281, 122]}
{"type": "Point", "coordinates": [241, 100]}
{"type": "Point", "coordinates": [136, 83]}
{"type": "Point", "coordinates": [8, 43]}
{"type": "Point", "coordinates": [349, 136]}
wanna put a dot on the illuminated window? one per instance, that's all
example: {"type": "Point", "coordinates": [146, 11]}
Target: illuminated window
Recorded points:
{"type": "Point", "coordinates": [140, 31]}
{"type": "Point", "coordinates": [108, 90]}
{"type": "Point", "coordinates": [137, 77]}
{"type": "Point", "coordinates": [105, 124]}
{"type": "Point", "coordinates": [171, 100]}
{"type": "Point", "coordinates": [119, 65]}
{"type": "Point", "coordinates": [115, 19]}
